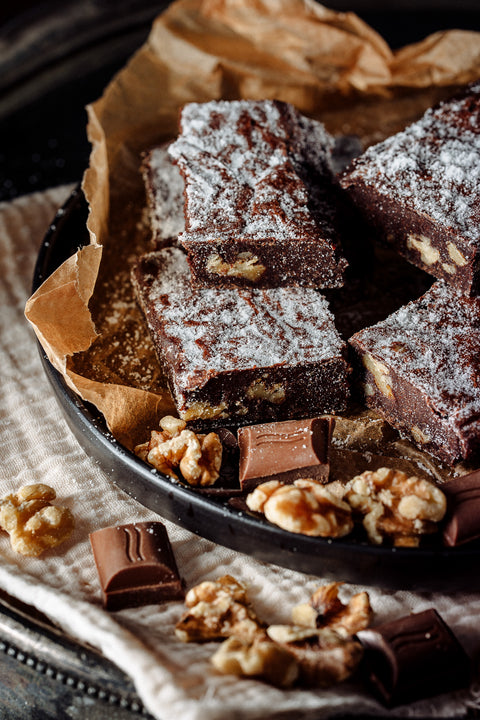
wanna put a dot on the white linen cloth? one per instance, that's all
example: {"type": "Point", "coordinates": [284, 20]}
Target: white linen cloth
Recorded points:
{"type": "Point", "coordinates": [174, 680]}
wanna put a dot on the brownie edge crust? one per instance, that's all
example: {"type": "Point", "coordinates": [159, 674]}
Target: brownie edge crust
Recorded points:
{"type": "Point", "coordinates": [420, 369]}
{"type": "Point", "coordinates": [261, 205]}
{"type": "Point", "coordinates": [420, 190]}
{"type": "Point", "coordinates": [258, 354]}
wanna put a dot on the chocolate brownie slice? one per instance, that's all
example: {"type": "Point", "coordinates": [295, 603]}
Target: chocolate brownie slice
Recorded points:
{"type": "Point", "coordinates": [164, 193]}
{"type": "Point", "coordinates": [420, 189]}
{"type": "Point", "coordinates": [242, 353]}
{"type": "Point", "coordinates": [261, 206]}
{"type": "Point", "coordinates": [420, 369]}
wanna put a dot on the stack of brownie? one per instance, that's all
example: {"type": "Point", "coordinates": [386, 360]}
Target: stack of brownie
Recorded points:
{"type": "Point", "coordinates": [420, 190]}
{"type": "Point", "coordinates": [233, 306]}
{"type": "Point", "coordinates": [232, 292]}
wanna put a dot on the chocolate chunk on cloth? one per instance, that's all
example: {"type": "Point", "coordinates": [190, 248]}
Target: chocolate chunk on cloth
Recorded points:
{"type": "Point", "coordinates": [135, 565]}
{"type": "Point", "coordinates": [285, 451]}
{"type": "Point", "coordinates": [261, 354]}
{"type": "Point", "coordinates": [414, 657]}
{"type": "Point", "coordinates": [462, 522]}
{"type": "Point", "coordinates": [420, 189]}
{"type": "Point", "coordinates": [420, 370]}
{"type": "Point", "coordinates": [261, 206]}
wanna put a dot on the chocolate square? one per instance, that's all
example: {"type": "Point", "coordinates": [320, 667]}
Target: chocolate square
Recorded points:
{"type": "Point", "coordinates": [285, 451]}
{"type": "Point", "coordinates": [462, 521]}
{"type": "Point", "coordinates": [414, 657]}
{"type": "Point", "coordinates": [135, 565]}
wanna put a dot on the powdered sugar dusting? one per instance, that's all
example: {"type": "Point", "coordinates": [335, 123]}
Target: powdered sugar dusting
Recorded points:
{"type": "Point", "coordinates": [217, 331]}
{"type": "Point", "coordinates": [434, 342]}
{"type": "Point", "coordinates": [164, 185]}
{"type": "Point", "coordinates": [246, 165]}
{"type": "Point", "coordinates": [433, 165]}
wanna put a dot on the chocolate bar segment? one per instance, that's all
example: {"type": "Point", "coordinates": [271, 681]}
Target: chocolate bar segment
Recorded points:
{"type": "Point", "coordinates": [462, 522]}
{"type": "Point", "coordinates": [135, 565]}
{"type": "Point", "coordinates": [414, 657]}
{"type": "Point", "coordinates": [420, 369]}
{"type": "Point", "coordinates": [420, 190]}
{"type": "Point", "coordinates": [285, 451]}
{"type": "Point", "coordinates": [241, 353]}
{"type": "Point", "coordinates": [261, 207]}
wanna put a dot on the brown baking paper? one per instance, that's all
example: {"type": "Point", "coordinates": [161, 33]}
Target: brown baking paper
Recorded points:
{"type": "Point", "coordinates": [331, 65]}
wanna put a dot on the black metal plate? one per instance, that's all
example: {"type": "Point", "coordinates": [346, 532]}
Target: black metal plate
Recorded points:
{"type": "Point", "coordinates": [350, 559]}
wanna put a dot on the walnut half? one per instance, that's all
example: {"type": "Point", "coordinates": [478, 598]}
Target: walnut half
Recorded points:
{"type": "Point", "coordinates": [259, 658]}
{"type": "Point", "coordinates": [306, 507]}
{"type": "Point", "coordinates": [33, 523]}
{"type": "Point", "coordinates": [218, 609]}
{"type": "Point", "coordinates": [324, 656]}
{"type": "Point", "coordinates": [325, 609]}
{"type": "Point", "coordinates": [198, 457]}
{"type": "Point", "coordinates": [397, 506]}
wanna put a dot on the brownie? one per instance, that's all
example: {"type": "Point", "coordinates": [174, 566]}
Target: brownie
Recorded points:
{"type": "Point", "coordinates": [261, 205]}
{"type": "Point", "coordinates": [164, 194]}
{"type": "Point", "coordinates": [420, 190]}
{"type": "Point", "coordinates": [241, 353]}
{"type": "Point", "coordinates": [420, 369]}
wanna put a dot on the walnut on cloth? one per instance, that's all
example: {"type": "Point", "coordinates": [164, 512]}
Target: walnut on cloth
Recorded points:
{"type": "Point", "coordinates": [394, 505]}
{"type": "Point", "coordinates": [305, 507]}
{"type": "Point", "coordinates": [33, 523]}
{"type": "Point", "coordinates": [198, 457]}
{"type": "Point", "coordinates": [325, 609]}
{"type": "Point", "coordinates": [218, 609]}
{"type": "Point", "coordinates": [258, 658]}
{"type": "Point", "coordinates": [324, 656]}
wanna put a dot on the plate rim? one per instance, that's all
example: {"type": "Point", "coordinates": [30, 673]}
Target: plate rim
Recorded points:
{"type": "Point", "coordinates": [185, 506]}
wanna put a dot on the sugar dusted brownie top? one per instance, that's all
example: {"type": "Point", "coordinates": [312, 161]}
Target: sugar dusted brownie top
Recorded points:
{"type": "Point", "coordinates": [433, 344]}
{"type": "Point", "coordinates": [257, 172]}
{"type": "Point", "coordinates": [433, 165]}
{"type": "Point", "coordinates": [164, 191]}
{"type": "Point", "coordinates": [244, 338]}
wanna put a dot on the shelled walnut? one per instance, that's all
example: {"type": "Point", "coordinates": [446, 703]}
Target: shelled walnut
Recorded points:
{"type": "Point", "coordinates": [396, 506]}
{"type": "Point", "coordinates": [325, 657]}
{"type": "Point", "coordinates": [198, 457]}
{"type": "Point", "coordinates": [259, 658]}
{"type": "Point", "coordinates": [218, 609]}
{"type": "Point", "coordinates": [33, 523]}
{"type": "Point", "coordinates": [305, 507]}
{"type": "Point", "coordinates": [325, 609]}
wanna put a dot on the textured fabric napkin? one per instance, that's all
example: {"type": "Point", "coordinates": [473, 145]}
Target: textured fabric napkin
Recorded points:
{"type": "Point", "coordinates": [174, 680]}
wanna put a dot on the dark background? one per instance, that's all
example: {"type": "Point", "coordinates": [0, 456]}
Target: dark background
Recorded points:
{"type": "Point", "coordinates": [55, 57]}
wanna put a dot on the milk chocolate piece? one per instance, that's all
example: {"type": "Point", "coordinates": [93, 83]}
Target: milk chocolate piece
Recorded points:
{"type": "Point", "coordinates": [420, 190]}
{"type": "Point", "coordinates": [285, 451]}
{"type": "Point", "coordinates": [135, 565]}
{"type": "Point", "coordinates": [420, 369]}
{"type": "Point", "coordinates": [261, 205]}
{"type": "Point", "coordinates": [414, 657]}
{"type": "Point", "coordinates": [462, 522]}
